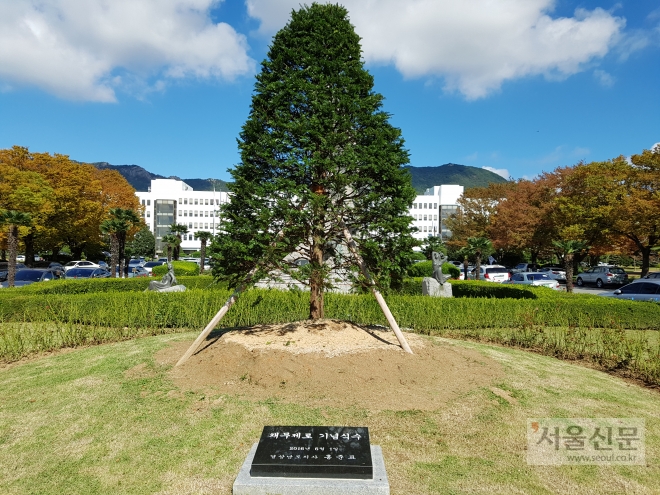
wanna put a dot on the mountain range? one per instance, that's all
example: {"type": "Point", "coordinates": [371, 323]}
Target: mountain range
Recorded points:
{"type": "Point", "coordinates": [422, 177]}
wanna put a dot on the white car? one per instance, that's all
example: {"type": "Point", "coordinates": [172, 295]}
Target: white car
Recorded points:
{"type": "Point", "coordinates": [537, 279]}
{"type": "Point", "coordinates": [80, 264]}
{"type": "Point", "coordinates": [555, 273]}
{"type": "Point", "coordinates": [491, 273]}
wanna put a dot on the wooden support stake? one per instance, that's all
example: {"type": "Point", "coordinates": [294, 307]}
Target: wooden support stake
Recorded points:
{"type": "Point", "coordinates": [379, 297]}
{"type": "Point", "coordinates": [216, 319]}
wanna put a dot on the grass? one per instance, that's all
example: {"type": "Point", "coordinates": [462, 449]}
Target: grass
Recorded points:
{"type": "Point", "coordinates": [107, 419]}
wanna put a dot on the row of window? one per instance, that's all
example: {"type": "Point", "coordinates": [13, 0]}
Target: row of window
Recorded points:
{"type": "Point", "coordinates": [425, 206]}
{"type": "Point", "coordinates": [197, 213]}
{"type": "Point", "coordinates": [195, 225]}
{"type": "Point", "coordinates": [425, 217]}
{"type": "Point", "coordinates": [428, 229]}
{"type": "Point", "coordinates": [205, 201]}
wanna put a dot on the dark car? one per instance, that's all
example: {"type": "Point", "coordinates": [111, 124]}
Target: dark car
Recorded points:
{"type": "Point", "coordinates": [28, 276]}
{"type": "Point", "coordinates": [87, 273]}
{"type": "Point", "coordinates": [4, 267]}
{"type": "Point", "coordinates": [654, 275]}
{"type": "Point", "coordinates": [639, 290]}
{"type": "Point", "coordinates": [149, 265]}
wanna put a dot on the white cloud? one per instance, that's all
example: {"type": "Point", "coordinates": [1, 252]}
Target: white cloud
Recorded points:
{"type": "Point", "coordinates": [605, 79]}
{"type": "Point", "coordinates": [499, 171]}
{"type": "Point", "coordinates": [86, 49]}
{"type": "Point", "coordinates": [474, 46]}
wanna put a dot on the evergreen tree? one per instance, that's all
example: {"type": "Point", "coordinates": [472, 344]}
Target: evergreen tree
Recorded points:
{"type": "Point", "coordinates": [317, 155]}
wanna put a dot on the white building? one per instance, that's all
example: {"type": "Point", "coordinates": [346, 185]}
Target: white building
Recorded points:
{"type": "Point", "coordinates": [171, 201]}
{"type": "Point", "coordinates": [431, 210]}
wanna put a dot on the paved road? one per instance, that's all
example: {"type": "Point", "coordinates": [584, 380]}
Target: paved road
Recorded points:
{"type": "Point", "coordinates": [592, 290]}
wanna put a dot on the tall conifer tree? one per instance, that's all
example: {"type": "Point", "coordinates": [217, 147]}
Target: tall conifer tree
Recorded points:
{"type": "Point", "coordinates": [317, 153]}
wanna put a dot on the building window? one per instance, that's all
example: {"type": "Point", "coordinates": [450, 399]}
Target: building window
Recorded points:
{"type": "Point", "coordinates": [206, 201]}
{"type": "Point", "coordinates": [206, 213]}
{"type": "Point", "coordinates": [143, 202]}
{"type": "Point", "coordinates": [206, 225]}
{"type": "Point", "coordinates": [195, 224]}
{"type": "Point", "coordinates": [196, 213]}
{"type": "Point", "coordinates": [148, 213]}
{"type": "Point", "coordinates": [435, 206]}
{"type": "Point", "coordinates": [185, 201]}
{"type": "Point", "coordinates": [180, 201]}
{"type": "Point", "coordinates": [217, 201]}
{"type": "Point", "coordinates": [190, 225]}
{"type": "Point", "coordinates": [435, 217]}
{"type": "Point", "coordinates": [424, 219]}
{"type": "Point", "coordinates": [148, 202]}
{"type": "Point", "coordinates": [415, 206]}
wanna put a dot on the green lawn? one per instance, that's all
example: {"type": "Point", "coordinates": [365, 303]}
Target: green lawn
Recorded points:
{"type": "Point", "coordinates": [81, 422]}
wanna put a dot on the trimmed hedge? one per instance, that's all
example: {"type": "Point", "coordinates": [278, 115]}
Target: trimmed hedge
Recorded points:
{"type": "Point", "coordinates": [106, 285]}
{"type": "Point", "coordinates": [181, 269]}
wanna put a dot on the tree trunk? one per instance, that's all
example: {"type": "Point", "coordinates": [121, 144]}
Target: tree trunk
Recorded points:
{"type": "Point", "coordinates": [121, 241]}
{"type": "Point", "coordinates": [177, 248]}
{"type": "Point", "coordinates": [477, 267]}
{"type": "Point", "coordinates": [114, 255]}
{"type": "Point", "coordinates": [12, 244]}
{"type": "Point", "coordinates": [316, 309]}
{"type": "Point", "coordinates": [568, 266]}
{"type": "Point", "coordinates": [202, 256]}
{"type": "Point", "coordinates": [28, 240]}
{"type": "Point", "coordinates": [646, 260]}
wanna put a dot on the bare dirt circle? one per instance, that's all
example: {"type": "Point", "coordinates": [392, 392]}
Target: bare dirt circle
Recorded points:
{"type": "Point", "coordinates": [331, 363]}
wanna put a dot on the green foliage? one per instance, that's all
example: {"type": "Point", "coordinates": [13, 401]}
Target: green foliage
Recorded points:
{"type": "Point", "coordinates": [143, 244]}
{"type": "Point", "coordinates": [432, 244]}
{"type": "Point", "coordinates": [181, 268]}
{"type": "Point", "coordinates": [421, 269]}
{"type": "Point", "coordinates": [317, 152]}
{"type": "Point", "coordinates": [451, 173]}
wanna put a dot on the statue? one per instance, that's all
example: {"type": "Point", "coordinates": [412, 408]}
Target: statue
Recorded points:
{"type": "Point", "coordinates": [438, 260]}
{"type": "Point", "coordinates": [437, 286]}
{"type": "Point", "coordinates": [167, 283]}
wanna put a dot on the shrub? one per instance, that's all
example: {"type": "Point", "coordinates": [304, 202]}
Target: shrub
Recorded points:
{"type": "Point", "coordinates": [425, 269]}
{"type": "Point", "coordinates": [181, 268]}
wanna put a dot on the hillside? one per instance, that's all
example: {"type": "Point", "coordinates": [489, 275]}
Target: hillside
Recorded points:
{"type": "Point", "coordinates": [140, 178]}
{"type": "Point", "coordinates": [451, 173]}
{"type": "Point", "coordinates": [422, 177]}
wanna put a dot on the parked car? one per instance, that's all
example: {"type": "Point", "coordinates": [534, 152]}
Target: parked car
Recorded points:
{"type": "Point", "coordinates": [602, 276]}
{"type": "Point", "coordinates": [138, 271]}
{"type": "Point", "coordinates": [87, 272]}
{"type": "Point", "coordinates": [639, 290]}
{"type": "Point", "coordinates": [653, 275]}
{"type": "Point", "coordinates": [27, 276]}
{"type": "Point", "coordinates": [80, 264]}
{"type": "Point", "coordinates": [537, 279]}
{"type": "Point", "coordinates": [149, 265]}
{"type": "Point", "coordinates": [20, 257]}
{"type": "Point", "coordinates": [554, 272]}
{"type": "Point", "coordinates": [490, 273]}
{"type": "Point", "coordinates": [4, 269]}
{"type": "Point", "coordinates": [135, 262]}
{"type": "Point", "coordinates": [525, 267]}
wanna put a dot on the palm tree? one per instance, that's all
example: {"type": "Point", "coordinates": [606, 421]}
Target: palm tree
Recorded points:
{"type": "Point", "coordinates": [172, 242]}
{"type": "Point", "coordinates": [13, 219]}
{"type": "Point", "coordinates": [478, 246]}
{"type": "Point", "coordinates": [178, 229]}
{"type": "Point", "coordinates": [568, 250]}
{"type": "Point", "coordinates": [117, 227]}
{"type": "Point", "coordinates": [204, 236]}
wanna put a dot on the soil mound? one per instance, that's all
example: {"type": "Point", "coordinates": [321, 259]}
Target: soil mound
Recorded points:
{"type": "Point", "coordinates": [331, 363]}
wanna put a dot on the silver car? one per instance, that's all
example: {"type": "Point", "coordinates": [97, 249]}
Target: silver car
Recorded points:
{"type": "Point", "coordinates": [639, 290]}
{"type": "Point", "coordinates": [537, 279]}
{"type": "Point", "coordinates": [554, 272]}
{"type": "Point", "coordinates": [602, 276]}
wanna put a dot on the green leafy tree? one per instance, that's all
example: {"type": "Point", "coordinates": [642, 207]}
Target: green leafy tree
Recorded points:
{"type": "Point", "coordinates": [204, 237]}
{"type": "Point", "coordinates": [478, 247]}
{"type": "Point", "coordinates": [318, 156]}
{"type": "Point", "coordinates": [171, 242]}
{"type": "Point", "coordinates": [143, 243]}
{"type": "Point", "coordinates": [568, 250]}
{"type": "Point", "coordinates": [431, 244]}
{"type": "Point", "coordinates": [178, 229]}
{"type": "Point", "coordinates": [118, 227]}
{"type": "Point", "coordinates": [13, 220]}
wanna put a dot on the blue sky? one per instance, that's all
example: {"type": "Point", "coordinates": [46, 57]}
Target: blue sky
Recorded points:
{"type": "Point", "coordinates": [516, 86]}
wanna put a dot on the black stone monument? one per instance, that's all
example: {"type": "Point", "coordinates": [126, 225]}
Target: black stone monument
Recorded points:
{"type": "Point", "coordinates": [313, 452]}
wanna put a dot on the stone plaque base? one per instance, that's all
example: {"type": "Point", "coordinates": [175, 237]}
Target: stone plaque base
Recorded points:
{"type": "Point", "coordinates": [248, 485]}
{"type": "Point", "coordinates": [431, 287]}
